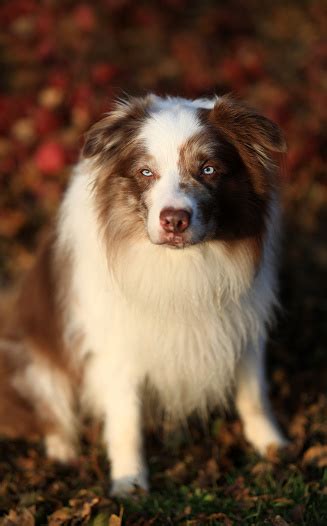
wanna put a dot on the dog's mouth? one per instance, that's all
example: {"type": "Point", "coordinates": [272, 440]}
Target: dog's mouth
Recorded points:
{"type": "Point", "coordinates": [175, 241]}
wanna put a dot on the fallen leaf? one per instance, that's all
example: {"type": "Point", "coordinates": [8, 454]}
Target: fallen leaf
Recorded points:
{"type": "Point", "coordinates": [114, 520]}
{"type": "Point", "coordinates": [60, 517]}
{"type": "Point", "coordinates": [316, 455]}
{"type": "Point", "coordinates": [20, 517]}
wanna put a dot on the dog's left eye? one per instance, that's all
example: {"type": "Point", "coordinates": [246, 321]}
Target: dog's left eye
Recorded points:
{"type": "Point", "coordinates": [208, 170]}
{"type": "Point", "coordinates": [146, 173]}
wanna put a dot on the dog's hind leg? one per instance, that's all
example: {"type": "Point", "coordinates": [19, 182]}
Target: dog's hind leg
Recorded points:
{"type": "Point", "coordinates": [54, 400]}
{"type": "Point", "coordinates": [36, 399]}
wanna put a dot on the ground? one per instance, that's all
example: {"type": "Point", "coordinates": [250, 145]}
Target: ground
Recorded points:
{"type": "Point", "coordinates": [63, 63]}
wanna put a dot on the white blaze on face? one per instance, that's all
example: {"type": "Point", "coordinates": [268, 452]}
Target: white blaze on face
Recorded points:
{"type": "Point", "coordinates": [163, 133]}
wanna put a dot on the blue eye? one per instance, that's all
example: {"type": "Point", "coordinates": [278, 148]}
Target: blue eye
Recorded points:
{"type": "Point", "coordinates": [146, 173]}
{"type": "Point", "coordinates": [208, 170]}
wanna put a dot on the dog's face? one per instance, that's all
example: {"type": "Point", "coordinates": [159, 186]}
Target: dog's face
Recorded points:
{"type": "Point", "coordinates": [182, 172]}
{"type": "Point", "coordinates": [187, 162]}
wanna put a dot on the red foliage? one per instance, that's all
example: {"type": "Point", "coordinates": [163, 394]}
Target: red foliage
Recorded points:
{"type": "Point", "coordinates": [46, 121]}
{"type": "Point", "coordinates": [84, 17]}
{"type": "Point", "coordinates": [50, 157]}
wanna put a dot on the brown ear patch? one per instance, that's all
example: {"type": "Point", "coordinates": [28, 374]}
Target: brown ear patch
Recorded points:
{"type": "Point", "coordinates": [105, 136]}
{"type": "Point", "coordinates": [100, 134]}
{"type": "Point", "coordinates": [256, 138]}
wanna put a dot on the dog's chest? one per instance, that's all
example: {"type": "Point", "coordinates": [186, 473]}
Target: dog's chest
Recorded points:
{"type": "Point", "coordinates": [188, 358]}
{"type": "Point", "coordinates": [178, 321]}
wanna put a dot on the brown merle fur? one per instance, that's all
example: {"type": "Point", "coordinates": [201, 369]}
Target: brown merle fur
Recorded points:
{"type": "Point", "coordinates": [107, 137]}
{"type": "Point", "coordinates": [119, 187]}
{"type": "Point", "coordinates": [228, 203]}
{"type": "Point", "coordinates": [31, 331]}
{"type": "Point", "coordinates": [252, 144]}
{"type": "Point", "coordinates": [37, 308]}
{"type": "Point", "coordinates": [255, 138]}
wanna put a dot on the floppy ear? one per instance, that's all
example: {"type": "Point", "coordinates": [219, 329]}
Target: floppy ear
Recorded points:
{"type": "Point", "coordinates": [117, 126]}
{"type": "Point", "coordinates": [256, 138]}
{"type": "Point", "coordinates": [99, 135]}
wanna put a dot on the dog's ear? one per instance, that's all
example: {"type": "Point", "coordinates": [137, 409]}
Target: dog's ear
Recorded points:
{"type": "Point", "coordinates": [258, 141]}
{"type": "Point", "coordinates": [100, 135]}
{"type": "Point", "coordinates": [116, 127]}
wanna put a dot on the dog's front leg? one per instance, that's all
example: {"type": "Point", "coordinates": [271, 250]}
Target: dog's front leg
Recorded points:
{"type": "Point", "coordinates": [253, 404]}
{"type": "Point", "coordinates": [123, 436]}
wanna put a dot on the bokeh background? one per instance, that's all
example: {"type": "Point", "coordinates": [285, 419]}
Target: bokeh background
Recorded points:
{"type": "Point", "coordinates": [62, 65]}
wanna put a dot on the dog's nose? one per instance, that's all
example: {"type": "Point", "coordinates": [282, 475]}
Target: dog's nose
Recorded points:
{"type": "Point", "coordinates": [174, 220]}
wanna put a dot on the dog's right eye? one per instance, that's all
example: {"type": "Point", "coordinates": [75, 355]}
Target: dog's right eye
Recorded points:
{"type": "Point", "coordinates": [146, 173]}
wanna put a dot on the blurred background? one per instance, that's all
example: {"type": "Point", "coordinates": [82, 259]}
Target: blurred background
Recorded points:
{"type": "Point", "coordinates": [63, 63]}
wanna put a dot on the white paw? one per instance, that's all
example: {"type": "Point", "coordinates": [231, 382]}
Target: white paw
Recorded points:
{"type": "Point", "coordinates": [60, 449]}
{"type": "Point", "coordinates": [124, 486]}
{"type": "Point", "coordinates": [262, 433]}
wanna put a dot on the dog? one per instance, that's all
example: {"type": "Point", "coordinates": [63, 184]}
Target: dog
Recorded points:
{"type": "Point", "coordinates": [157, 282]}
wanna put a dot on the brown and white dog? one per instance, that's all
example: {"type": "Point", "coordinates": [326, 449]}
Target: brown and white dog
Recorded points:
{"type": "Point", "coordinates": [158, 280]}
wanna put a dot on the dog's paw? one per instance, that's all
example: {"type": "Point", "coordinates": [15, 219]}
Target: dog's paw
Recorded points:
{"type": "Point", "coordinates": [263, 433]}
{"type": "Point", "coordinates": [127, 485]}
{"type": "Point", "coordinates": [60, 449]}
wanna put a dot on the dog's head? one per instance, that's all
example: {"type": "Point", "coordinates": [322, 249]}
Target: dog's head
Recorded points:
{"type": "Point", "coordinates": [182, 172]}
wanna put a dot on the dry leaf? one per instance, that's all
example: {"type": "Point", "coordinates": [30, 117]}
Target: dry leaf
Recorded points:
{"type": "Point", "coordinates": [60, 517]}
{"type": "Point", "coordinates": [114, 520]}
{"type": "Point", "coordinates": [23, 517]}
{"type": "Point", "coordinates": [316, 455]}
